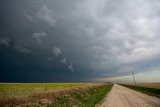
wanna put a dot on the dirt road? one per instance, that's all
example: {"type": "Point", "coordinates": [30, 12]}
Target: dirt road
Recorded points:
{"type": "Point", "coordinates": [123, 97]}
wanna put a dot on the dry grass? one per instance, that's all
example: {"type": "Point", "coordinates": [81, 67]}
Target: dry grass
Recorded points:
{"type": "Point", "coordinates": [149, 85]}
{"type": "Point", "coordinates": [28, 88]}
{"type": "Point", "coordinates": [147, 89]}
{"type": "Point", "coordinates": [43, 98]}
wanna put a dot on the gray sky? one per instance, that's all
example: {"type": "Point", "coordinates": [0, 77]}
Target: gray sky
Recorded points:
{"type": "Point", "coordinates": [79, 40]}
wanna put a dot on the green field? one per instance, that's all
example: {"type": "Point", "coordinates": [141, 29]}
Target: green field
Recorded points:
{"type": "Point", "coordinates": [25, 88]}
{"type": "Point", "coordinates": [52, 94]}
{"type": "Point", "coordinates": [149, 91]}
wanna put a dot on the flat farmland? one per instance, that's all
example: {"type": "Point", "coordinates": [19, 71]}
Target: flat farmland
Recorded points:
{"type": "Point", "coordinates": [149, 85]}
{"type": "Point", "coordinates": [52, 94]}
{"type": "Point", "coordinates": [8, 89]}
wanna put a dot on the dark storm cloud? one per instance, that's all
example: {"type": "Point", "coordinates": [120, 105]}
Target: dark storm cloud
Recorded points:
{"type": "Point", "coordinates": [84, 39]}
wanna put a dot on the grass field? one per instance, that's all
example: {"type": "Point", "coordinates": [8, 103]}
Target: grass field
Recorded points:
{"type": "Point", "coordinates": [26, 88]}
{"type": "Point", "coordinates": [150, 91]}
{"type": "Point", "coordinates": [148, 85]}
{"type": "Point", "coordinates": [52, 94]}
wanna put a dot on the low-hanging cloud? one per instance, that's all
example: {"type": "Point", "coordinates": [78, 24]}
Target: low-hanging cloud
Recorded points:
{"type": "Point", "coordinates": [56, 51]}
{"type": "Point", "coordinates": [22, 49]}
{"type": "Point", "coordinates": [63, 61]}
{"type": "Point", "coordinates": [39, 36]}
{"type": "Point", "coordinates": [5, 41]}
{"type": "Point", "coordinates": [46, 15]}
{"type": "Point", "coordinates": [70, 66]}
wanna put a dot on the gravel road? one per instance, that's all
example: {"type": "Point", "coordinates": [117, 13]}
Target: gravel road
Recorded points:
{"type": "Point", "coordinates": [121, 96]}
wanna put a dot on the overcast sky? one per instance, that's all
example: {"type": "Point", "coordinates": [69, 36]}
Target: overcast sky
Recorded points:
{"type": "Point", "coordinates": [79, 40]}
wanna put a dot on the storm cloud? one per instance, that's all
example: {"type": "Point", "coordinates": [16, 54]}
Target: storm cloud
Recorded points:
{"type": "Point", "coordinates": [78, 40]}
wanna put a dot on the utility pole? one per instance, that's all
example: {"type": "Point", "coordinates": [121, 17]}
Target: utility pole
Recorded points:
{"type": "Point", "coordinates": [134, 78]}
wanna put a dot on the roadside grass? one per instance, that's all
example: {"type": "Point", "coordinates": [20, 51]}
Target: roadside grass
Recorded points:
{"type": "Point", "coordinates": [149, 91]}
{"type": "Point", "coordinates": [53, 95]}
{"type": "Point", "coordinates": [83, 98]}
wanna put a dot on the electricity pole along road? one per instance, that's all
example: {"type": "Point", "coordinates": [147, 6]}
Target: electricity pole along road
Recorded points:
{"type": "Point", "coordinates": [121, 96]}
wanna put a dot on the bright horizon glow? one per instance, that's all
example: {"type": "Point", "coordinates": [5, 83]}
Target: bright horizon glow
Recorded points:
{"type": "Point", "coordinates": [146, 77]}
